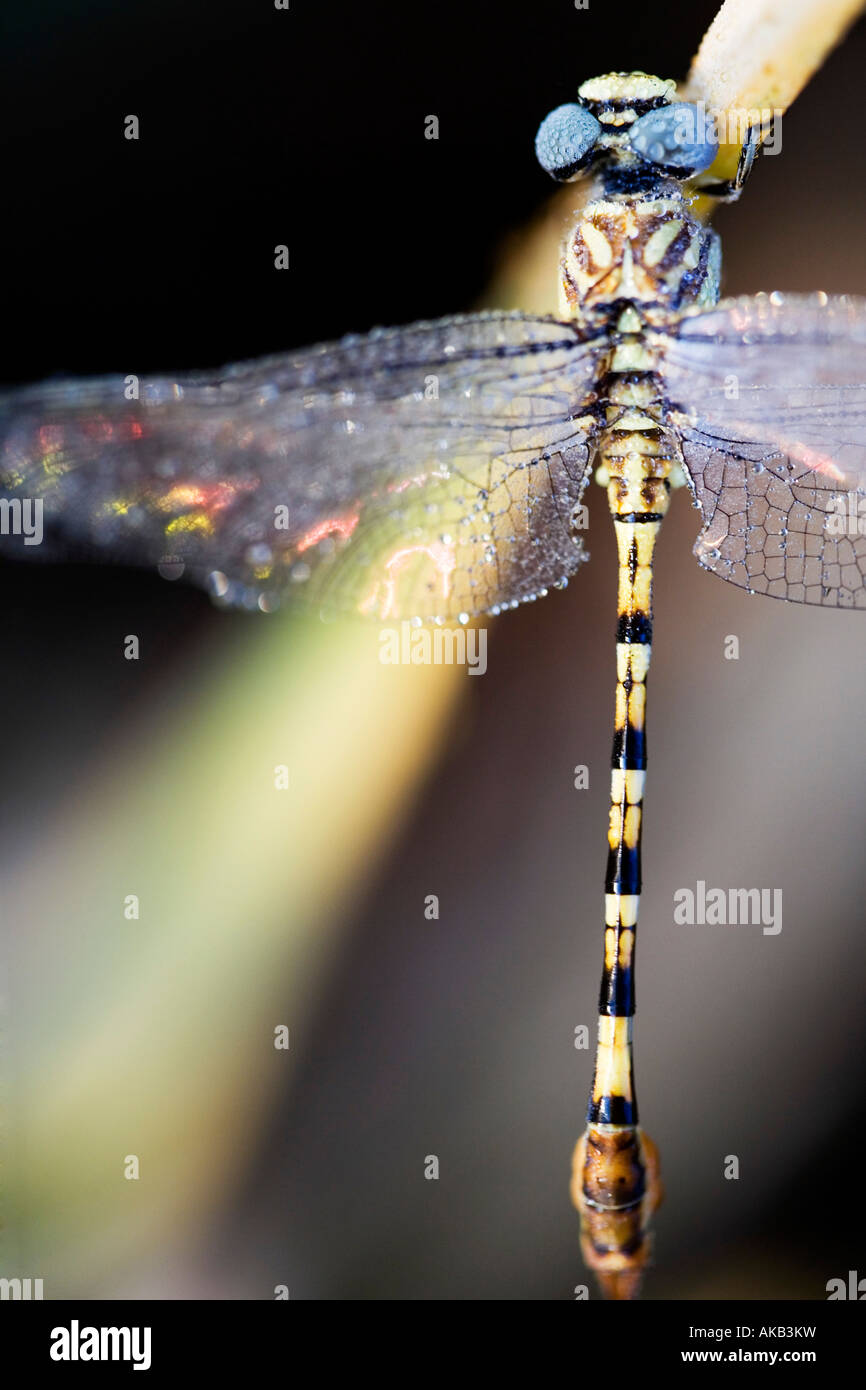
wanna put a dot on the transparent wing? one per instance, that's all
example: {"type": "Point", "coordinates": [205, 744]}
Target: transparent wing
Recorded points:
{"type": "Point", "coordinates": [768, 394]}
{"type": "Point", "coordinates": [429, 471]}
{"type": "Point", "coordinates": [789, 370]}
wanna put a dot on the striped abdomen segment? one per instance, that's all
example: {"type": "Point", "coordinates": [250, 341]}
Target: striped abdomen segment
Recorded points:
{"type": "Point", "coordinates": [615, 1182]}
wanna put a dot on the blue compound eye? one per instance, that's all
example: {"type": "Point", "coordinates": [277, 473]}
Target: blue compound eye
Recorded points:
{"type": "Point", "coordinates": [565, 139]}
{"type": "Point", "coordinates": [678, 137]}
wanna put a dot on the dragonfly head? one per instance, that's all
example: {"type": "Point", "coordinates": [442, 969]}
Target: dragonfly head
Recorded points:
{"type": "Point", "coordinates": [634, 238]}
{"type": "Point", "coordinates": [627, 128]}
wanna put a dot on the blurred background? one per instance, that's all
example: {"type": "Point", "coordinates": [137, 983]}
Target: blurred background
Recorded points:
{"type": "Point", "coordinates": [409, 1037]}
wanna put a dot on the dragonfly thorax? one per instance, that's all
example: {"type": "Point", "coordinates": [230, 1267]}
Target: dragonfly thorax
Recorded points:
{"type": "Point", "coordinates": [640, 250]}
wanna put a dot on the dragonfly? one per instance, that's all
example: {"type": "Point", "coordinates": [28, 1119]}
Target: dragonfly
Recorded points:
{"type": "Point", "coordinates": [436, 472]}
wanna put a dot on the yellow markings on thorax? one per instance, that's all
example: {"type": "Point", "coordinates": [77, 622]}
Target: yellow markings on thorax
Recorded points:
{"type": "Point", "coordinates": [598, 246]}
{"type": "Point", "coordinates": [613, 1058]}
{"type": "Point", "coordinates": [692, 253]}
{"type": "Point", "coordinates": [627, 250]}
{"type": "Point", "coordinates": [659, 242]}
{"type": "Point", "coordinates": [603, 207]}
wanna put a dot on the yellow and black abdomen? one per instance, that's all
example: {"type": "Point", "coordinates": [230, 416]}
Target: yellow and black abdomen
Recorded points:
{"type": "Point", "coordinates": [637, 455]}
{"type": "Point", "coordinates": [616, 1184]}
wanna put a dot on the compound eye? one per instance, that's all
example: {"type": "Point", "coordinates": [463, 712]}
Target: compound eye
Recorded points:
{"type": "Point", "coordinates": [565, 139]}
{"type": "Point", "coordinates": [677, 137]}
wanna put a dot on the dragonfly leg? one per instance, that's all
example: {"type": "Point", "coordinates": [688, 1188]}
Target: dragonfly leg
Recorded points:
{"type": "Point", "coordinates": [729, 190]}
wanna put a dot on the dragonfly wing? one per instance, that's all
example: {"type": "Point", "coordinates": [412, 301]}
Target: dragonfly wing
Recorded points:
{"type": "Point", "coordinates": [430, 471]}
{"type": "Point", "coordinates": [768, 395]}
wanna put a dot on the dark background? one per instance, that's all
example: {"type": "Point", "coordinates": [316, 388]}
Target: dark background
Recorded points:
{"type": "Point", "coordinates": [261, 127]}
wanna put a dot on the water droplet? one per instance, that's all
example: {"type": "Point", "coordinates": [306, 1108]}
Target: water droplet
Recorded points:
{"type": "Point", "coordinates": [170, 569]}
